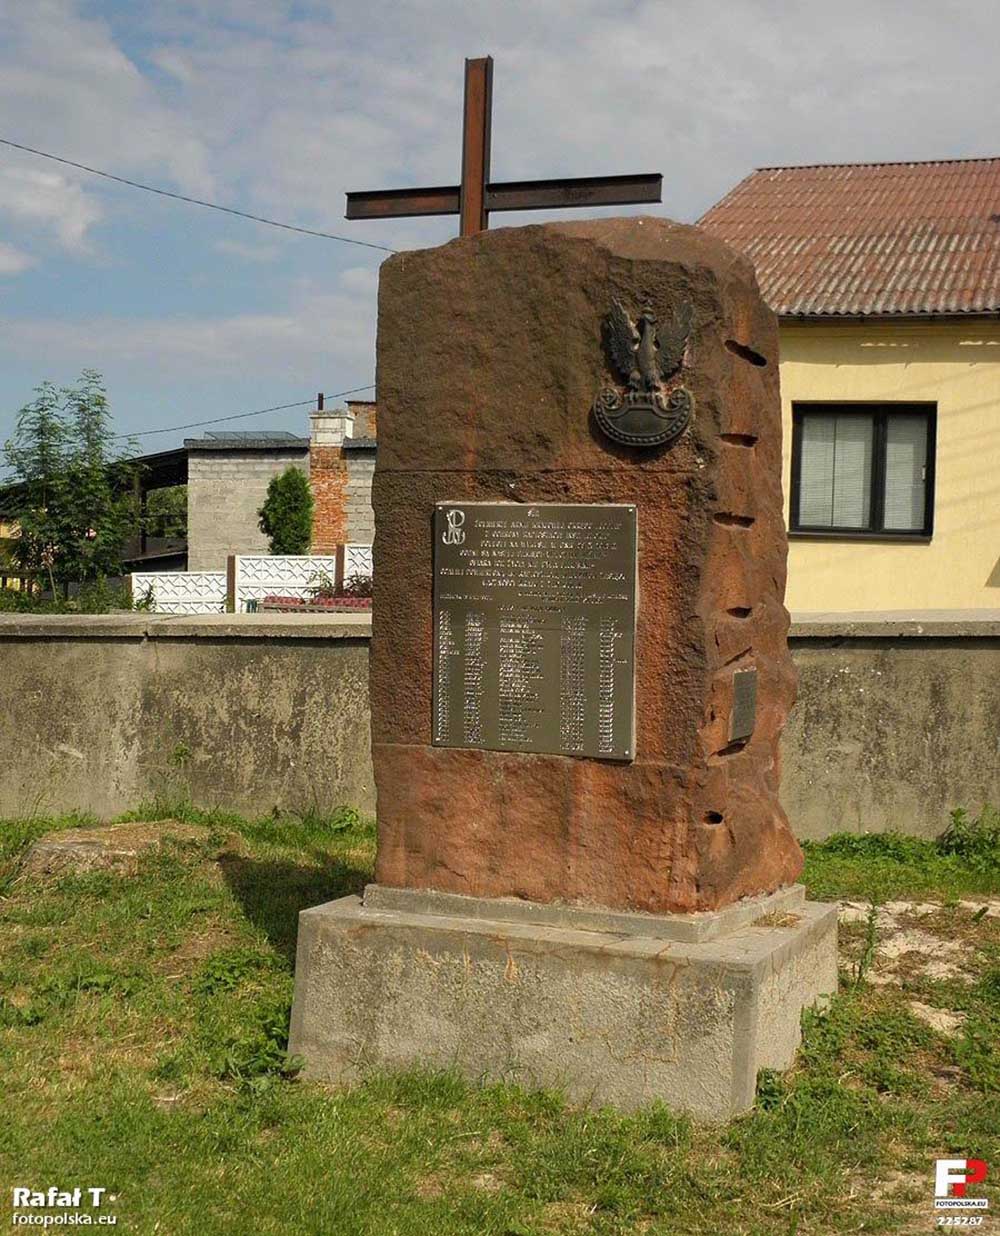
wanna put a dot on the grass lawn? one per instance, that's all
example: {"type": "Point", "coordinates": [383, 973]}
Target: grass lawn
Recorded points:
{"type": "Point", "coordinates": [142, 1048]}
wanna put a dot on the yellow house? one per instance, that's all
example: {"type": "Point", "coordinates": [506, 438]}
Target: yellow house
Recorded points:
{"type": "Point", "coordinates": [886, 281]}
{"type": "Point", "coordinates": [8, 530]}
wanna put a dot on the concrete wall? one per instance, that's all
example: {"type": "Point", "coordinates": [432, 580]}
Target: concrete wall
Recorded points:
{"type": "Point", "coordinates": [226, 489]}
{"type": "Point", "coordinates": [360, 516]}
{"type": "Point", "coordinates": [263, 711]}
{"type": "Point", "coordinates": [897, 722]}
{"type": "Point", "coordinates": [956, 365]}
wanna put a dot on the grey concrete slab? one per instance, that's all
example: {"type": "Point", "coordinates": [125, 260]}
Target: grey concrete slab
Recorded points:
{"type": "Point", "coordinates": [707, 925]}
{"type": "Point", "coordinates": [608, 1016]}
{"type": "Point", "coordinates": [895, 624]}
{"type": "Point", "coordinates": [261, 626]}
{"type": "Point", "coordinates": [187, 626]}
{"type": "Point", "coordinates": [74, 626]}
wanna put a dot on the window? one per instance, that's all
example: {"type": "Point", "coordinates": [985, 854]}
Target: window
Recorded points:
{"type": "Point", "coordinates": [861, 469]}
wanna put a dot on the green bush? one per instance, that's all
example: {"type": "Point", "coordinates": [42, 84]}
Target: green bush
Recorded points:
{"type": "Point", "coordinates": [287, 514]}
{"type": "Point", "coordinates": [975, 841]}
{"type": "Point", "coordinates": [97, 597]}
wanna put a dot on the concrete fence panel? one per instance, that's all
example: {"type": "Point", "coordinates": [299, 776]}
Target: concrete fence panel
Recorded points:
{"type": "Point", "coordinates": [181, 592]}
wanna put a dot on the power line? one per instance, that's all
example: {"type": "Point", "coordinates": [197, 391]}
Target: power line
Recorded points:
{"type": "Point", "coordinates": [239, 416]}
{"type": "Point", "coordinates": [193, 201]}
{"type": "Point", "coordinates": [218, 420]}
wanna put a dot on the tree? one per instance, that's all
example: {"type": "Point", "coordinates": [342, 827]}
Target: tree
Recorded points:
{"type": "Point", "coordinates": [287, 514]}
{"type": "Point", "coordinates": [166, 511]}
{"type": "Point", "coordinates": [74, 507]}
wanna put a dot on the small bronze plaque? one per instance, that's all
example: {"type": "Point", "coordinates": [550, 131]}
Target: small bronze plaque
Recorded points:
{"type": "Point", "coordinates": [744, 713]}
{"type": "Point", "coordinates": [534, 628]}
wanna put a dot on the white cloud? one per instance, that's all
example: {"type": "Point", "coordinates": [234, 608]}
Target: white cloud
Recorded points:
{"type": "Point", "coordinates": [321, 336]}
{"type": "Point", "coordinates": [35, 197]}
{"type": "Point", "coordinates": [280, 107]}
{"type": "Point", "coordinates": [13, 261]}
{"type": "Point", "coordinates": [67, 87]}
{"type": "Point", "coordinates": [305, 103]}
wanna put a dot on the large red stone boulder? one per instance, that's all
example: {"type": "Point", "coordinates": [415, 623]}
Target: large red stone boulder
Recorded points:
{"type": "Point", "coordinates": [490, 356]}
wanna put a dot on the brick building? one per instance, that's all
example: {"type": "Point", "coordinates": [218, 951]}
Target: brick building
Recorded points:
{"type": "Point", "coordinates": [341, 466]}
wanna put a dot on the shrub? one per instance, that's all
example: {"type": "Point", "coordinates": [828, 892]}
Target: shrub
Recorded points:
{"type": "Point", "coordinates": [287, 514]}
{"type": "Point", "coordinates": [975, 841]}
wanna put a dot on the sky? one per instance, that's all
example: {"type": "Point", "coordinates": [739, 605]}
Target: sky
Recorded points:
{"type": "Point", "coordinates": [278, 107]}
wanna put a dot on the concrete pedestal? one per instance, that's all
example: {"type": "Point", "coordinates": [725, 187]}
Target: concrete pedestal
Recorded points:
{"type": "Point", "coordinates": [613, 1007]}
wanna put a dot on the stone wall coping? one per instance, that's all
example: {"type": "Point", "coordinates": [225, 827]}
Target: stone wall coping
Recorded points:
{"type": "Point", "coordinates": [862, 624]}
{"type": "Point", "coordinates": [184, 626]}
{"type": "Point", "coordinates": [899, 623]}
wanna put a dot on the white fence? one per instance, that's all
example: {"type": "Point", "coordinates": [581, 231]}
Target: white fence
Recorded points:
{"type": "Point", "coordinates": [250, 577]}
{"type": "Point", "coordinates": [357, 560]}
{"type": "Point", "coordinates": [181, 592]}
{"type": "Point", "coordinates": [259, 575]}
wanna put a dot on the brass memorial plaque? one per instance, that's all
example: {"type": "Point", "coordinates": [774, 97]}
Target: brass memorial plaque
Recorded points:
{"type": "Point", "coordinates": [534, 628]}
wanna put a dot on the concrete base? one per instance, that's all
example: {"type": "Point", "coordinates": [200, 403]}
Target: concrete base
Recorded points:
{"type": "Point", "coordinates": [625, 1015]}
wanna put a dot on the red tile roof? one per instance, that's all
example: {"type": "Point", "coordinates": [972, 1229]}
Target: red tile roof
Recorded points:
{"type": "Point", "coordinates": [870, 238]}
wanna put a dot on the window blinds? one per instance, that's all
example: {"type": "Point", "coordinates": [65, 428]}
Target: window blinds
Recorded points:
{"type": "Point", "coordinates": [836, 470]}
{"type": "Point", "coordinates": [905, 480]}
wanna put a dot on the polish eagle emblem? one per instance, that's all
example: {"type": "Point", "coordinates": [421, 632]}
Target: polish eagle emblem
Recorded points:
{"type": "Point", "coordinates": [648, 356]}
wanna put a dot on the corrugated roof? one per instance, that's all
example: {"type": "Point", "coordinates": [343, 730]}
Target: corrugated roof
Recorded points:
{"type": "Point", "coordinates": [869, 238]}
{"type": "Point", "coordinates": [268, 440]}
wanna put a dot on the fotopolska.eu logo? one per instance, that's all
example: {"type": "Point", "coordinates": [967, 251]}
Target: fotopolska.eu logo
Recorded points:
{"type": "Point", "coordinates": [952, 1178]}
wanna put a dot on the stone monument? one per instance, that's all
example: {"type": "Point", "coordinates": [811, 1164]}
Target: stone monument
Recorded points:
{"type": "Point", "coordinates": [579, 677]}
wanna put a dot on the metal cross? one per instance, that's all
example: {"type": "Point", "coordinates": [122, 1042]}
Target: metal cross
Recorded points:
{"type": "Point", "coordinates": [476, 197]}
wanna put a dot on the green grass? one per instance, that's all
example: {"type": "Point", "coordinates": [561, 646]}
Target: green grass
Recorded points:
{"type": "Point", "coordinates": [143, 1025]}
{"type": "Point", "coordinates": [964, 861]}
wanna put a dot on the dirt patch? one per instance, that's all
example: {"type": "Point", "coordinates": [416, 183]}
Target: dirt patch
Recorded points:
{"type": "Point", "coordinates": [944, 1021]}
{"type": "Point", "coordinates": [988, 909]}
{"type": "Point", "coordinates": [916, 939]}
{"type": "Point", "coordinates": [911, 951]}
{"type": "Point", "coordinates": [918, 943]}
{"type": "Point", "coordinates": [487, 1182]}
{"type": "Point", "coordinates": [430, 1187]}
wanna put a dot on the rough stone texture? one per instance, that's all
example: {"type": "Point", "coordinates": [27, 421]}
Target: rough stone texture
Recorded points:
{"type": "Point", "coordinates": [247, 712]}
{"type": "Point", "coordinates": [489, 359]}
{"type": "Point", "coordinates": [611, 1017]}
{"type": "Point", "coordinates": [226, 489]}
{"type": "Point", "coordinates": [114, 847]}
